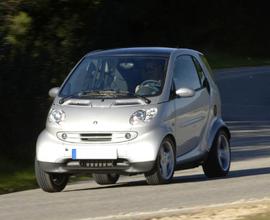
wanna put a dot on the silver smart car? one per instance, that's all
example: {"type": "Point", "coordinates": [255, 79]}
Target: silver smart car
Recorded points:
{"type": "Point", "coordinates": [130, 111]}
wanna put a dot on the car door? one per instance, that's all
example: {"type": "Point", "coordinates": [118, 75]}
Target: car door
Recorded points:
{"type": "Point", "coordinates": [190, 112]}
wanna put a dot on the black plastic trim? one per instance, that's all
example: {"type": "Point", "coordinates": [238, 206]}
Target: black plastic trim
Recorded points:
{"type": "Point", "coordinates": [131, 168]}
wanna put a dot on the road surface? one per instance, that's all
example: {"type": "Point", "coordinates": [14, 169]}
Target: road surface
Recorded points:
{"type": "Point", "coordinates": [246, 107]}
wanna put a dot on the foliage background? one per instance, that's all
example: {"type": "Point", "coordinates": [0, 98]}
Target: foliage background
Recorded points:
{"type": "Point", "coordinates": [40, 41]}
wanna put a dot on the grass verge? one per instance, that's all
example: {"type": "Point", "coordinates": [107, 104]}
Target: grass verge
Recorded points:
{"type": "Point", "coordinates": [25, 179]}
{"type": "Point", "coordinates": [16, 181]}
{"type": "Point", "coordinates": [16, 175]}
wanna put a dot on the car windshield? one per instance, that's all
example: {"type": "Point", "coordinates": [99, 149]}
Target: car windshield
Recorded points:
{"type": "Point", "coordinates": [115, 75]}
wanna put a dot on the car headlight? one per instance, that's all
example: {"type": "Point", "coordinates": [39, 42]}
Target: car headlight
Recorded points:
{"type": "Point", "coordinates": [56, 115]}
{"type": "Point", "coordinates": [143, 116]}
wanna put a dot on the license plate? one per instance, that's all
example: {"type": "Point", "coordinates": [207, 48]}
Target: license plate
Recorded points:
{"type": "Point", "coordinates": [93, 153]}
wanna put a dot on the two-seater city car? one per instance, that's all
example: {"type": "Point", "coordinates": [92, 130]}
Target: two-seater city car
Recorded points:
{"type": "Point", "coordinates": [130, 111]}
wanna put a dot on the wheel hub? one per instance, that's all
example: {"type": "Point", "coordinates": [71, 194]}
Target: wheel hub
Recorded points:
{"type": "Point", "coordinates": [223, 152]}
{"type": "Point", "coordinates": [166, 160]}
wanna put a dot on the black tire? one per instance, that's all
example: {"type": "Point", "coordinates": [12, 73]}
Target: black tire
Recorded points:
{"type": "Point", "coordinates": [50, 182]}
{"type": "Point", "coordinates": [156, 176]}
{"type": "Point", "coordinates": [217, 165]}
{"type": "Point", "coordinates": [105, 179]}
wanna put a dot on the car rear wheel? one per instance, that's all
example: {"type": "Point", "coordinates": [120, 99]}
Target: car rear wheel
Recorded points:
{"type": "Point", "coordinates": [105, 179]}
{"type": "Point", "coordinates": [50, 182]}
{"type": "Point", "coordinates": [164, 167]}
{"type": "Point", "coordinates": [219, 158]}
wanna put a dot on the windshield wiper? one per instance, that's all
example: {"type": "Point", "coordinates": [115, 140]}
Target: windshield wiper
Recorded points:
{"type": "Point", "coordinates": [78, 94]}
{"type": "Point", "coordinates": [103, 93]}
{"type": "Point", "coordinates": [146, 100]}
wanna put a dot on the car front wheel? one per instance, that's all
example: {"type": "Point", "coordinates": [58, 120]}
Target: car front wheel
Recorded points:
{"type": "Point", "coordinates": [50, 182]}
{"type": "Point", "coordinates": [219, 158]}
{"type": "Point", "coordinates": [164, 166]}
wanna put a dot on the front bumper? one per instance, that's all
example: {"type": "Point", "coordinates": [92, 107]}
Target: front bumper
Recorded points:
{"type": "Point", "coordinates": [140, 153]}
{"type": "Point", "coordinates": [91, 166]}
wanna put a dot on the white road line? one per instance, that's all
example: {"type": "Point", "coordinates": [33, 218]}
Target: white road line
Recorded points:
{"type": "Point", "coordinates": [250, 131]}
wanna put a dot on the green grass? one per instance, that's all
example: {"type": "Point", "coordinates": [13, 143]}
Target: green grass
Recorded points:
{"type": "Point", "coordinates": [16, 176]}
{"type": "Point", "coordinates": [16, 181]}
{"type": "Point", "coordinates": [24, 179]}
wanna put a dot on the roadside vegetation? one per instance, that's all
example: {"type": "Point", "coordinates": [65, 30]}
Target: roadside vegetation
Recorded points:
{"type": "Point", "coordinates": [17, 180]}
{"type": "Point", "coordinates": [16, 177]}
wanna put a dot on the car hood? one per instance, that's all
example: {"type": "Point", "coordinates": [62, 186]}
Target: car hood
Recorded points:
{"type": "Point", "coordinates": [97, 115]}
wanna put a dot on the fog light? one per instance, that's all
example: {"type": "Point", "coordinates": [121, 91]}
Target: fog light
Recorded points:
{"type": "Point", "coordinates": [64, 136]}
{"type": "Point", "coordinates": [127, 135]}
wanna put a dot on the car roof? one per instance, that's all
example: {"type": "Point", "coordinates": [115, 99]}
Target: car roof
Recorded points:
{"type": "Point", "coordinates": [155, 51]}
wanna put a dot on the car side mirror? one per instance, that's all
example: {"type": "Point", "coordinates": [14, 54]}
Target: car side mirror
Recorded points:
{"type": "Point", "coordinates": [185, 92]}
{"type": "Point", "coordinates": [53, 92]}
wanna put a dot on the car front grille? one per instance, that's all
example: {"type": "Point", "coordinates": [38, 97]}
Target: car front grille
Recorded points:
{"type": "Point", "coordinates": [96, 137]}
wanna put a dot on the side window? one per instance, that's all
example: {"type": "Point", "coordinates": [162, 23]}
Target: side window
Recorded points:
{"type": "Point", "coordinates": [199, 70]}
{"type": "Point", "coordinates": [207, 65]}
{"type": "Point", "coordinates": [185, 73]}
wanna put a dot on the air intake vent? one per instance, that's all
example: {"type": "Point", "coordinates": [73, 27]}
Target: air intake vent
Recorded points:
{"type": "Point", "coordinates": [79, 102]}
{"type": "Point", "coordinates": [96, 137]}
{"type": "Point", "coordinates": [126, 103]}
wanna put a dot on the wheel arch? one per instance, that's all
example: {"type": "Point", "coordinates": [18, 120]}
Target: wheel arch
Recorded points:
{"type": "Point", "coordinates": [170, 136]}
{"type": "Point", "coordinates": [218, 125]}
{"type": "Point", "coordinates": [227, 131]}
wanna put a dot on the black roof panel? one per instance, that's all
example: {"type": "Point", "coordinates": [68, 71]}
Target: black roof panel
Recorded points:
{"type": "Point", "coordinates": [157, 51]}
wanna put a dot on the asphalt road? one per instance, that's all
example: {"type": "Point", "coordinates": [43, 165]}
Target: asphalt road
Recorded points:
{"type": "Point", "coordinates": [245, 93]}
{"type": "Point", "coordinates": [246, 105]}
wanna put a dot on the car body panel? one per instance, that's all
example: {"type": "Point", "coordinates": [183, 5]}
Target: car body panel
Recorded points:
{"type": "Point", "coordinates": [191, 116]}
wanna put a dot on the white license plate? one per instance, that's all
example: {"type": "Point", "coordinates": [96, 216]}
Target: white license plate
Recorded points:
{"type": "Point", "coordinates": [93, 153]}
